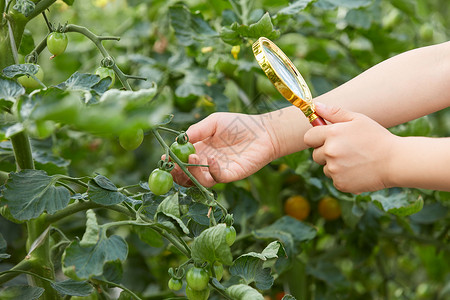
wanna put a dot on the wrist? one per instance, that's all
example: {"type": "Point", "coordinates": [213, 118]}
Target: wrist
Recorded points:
{"type": "Point", "coordinates": [286, 127]}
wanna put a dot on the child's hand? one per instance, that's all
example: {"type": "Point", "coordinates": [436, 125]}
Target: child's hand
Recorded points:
{"type": "Point", "coordinates": [355, 150]}
{"type": "Point", "coordinates": [233, 145]}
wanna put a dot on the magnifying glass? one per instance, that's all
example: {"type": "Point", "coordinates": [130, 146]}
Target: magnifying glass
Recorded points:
{"type": "Point", "coordinates": [286, 78]}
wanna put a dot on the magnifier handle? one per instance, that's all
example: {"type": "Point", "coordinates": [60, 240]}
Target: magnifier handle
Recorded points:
{"type": "Point", "coordinates": [318, 121]}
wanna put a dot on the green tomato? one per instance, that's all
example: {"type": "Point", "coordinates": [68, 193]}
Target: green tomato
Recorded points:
{"type": "Point", "coordinates": [218, 270]}
{"type": "Point", "coordinates": [104, 72]}
{"type": "Point", "coordinates": [57, 43]}
{"type": "Point", "coordinates": [230, 236]}
{"type": "Point", "coordinates": [175, 284]}
{"type": "Point", "coordinates": [29, 82]}
{"type": "Point", "coordinates": [160, 182]}
{"type": "Point", "coordinates": [130, 140]}
{"type": "Point", "coordinates": [197, 278]}
{"type": "Point", "coordinates": [197, 295]}
{"type": "Point", "coordinates": [182, 151]}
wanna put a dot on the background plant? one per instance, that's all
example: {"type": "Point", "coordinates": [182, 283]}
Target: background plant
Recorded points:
{"type": "Point", "coordinates": [196, 56]}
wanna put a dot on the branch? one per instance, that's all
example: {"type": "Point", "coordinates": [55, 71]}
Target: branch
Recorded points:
{"type": "Point", "coordinates": [97, 40]}
{"type": "Point", "coordinates": [81, 206]}
{"type": "Point", "coordinates": [22, 151]}
{"type": "Point", "coordinates": [24, 265]}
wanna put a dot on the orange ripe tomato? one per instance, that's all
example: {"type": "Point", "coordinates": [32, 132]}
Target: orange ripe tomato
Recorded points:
{"type": "Point", "coordinates": [329, 208]}
{"type": "Point", "coordinates": [297, 207]}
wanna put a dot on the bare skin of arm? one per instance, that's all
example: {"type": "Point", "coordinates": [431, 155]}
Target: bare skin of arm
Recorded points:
{"type": "Point", "coordinates": [403, 88]}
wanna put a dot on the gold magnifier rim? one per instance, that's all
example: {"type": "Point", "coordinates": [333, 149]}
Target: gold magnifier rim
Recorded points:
{"type": "Point", "coordinates": [305, 104]}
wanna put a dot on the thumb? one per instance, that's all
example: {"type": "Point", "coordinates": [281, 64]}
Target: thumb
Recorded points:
{"type": "Point", "coordinates": [334, 114]}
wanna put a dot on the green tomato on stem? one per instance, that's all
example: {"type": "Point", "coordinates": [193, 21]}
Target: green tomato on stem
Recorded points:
{"type": "Point", "coordinates": [57, 43]}
{"type": "Point", "coordinates": [182, 151]}
{"type": "Point", "coordinates": [197, 278]}
{"type": "Point", "coordinates": [230, 236]}
{"type": "Point", "coordinates": [160, 182]}
{"type": "Point", "coordinates": [175, 284]}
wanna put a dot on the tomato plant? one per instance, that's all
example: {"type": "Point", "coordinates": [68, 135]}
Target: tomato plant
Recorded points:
{"type": "Point", "coordinates": [80, 217]}
{"type": "Point", "coordinates": [182, 151]}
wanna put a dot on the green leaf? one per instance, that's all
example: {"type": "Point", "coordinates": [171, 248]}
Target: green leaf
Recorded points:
{"type": "Point", "coordinates": [400, 204]}
{"type": "Point", "coordinates": [21, 292]}
{"type": "Point", "coordinates": [250, 267]}
{"type": "Point", "coordinates": [199, 213]}
{"type": "Point", "coordinates": [3, 254]}
{"type": "Point", "coordinates": [328, 272]}
{"type": "Point", "coordinates": [189, 28]}
{"type": "Point", "coordinates": [29, 193]}
{"type": "Point", "coordinates": [92, 233]}
{"type": "Point", "coordinates": [80, 81]}
{"type": "Point", "coordinates": [430, 214]}
{"type": "Point", "coordinates": [211, 246]}
{"type": "Point", "coordinates": [263, 27]}
{"type": "Point", "coordinates": [243, 292]}
{"type": "Point", "coordinates": [73, 288]}
{"type": "Point", "coordinates": [288, 297]}
{"type": "Point", "coordinates": [359, 18]}
{"type": "Point", "coordinates": [130, 99]}
{"type": "Point", "coordinates": [102, 191]}
{"type": "Point", "coordinates": [10, 90]}
{"type": "Point", "coordinates": [15, 71]}
{"type": "Point", "coordinates": [294, 7]}
{"type": "Point", "coordinates": [169, 211]}
{"type": "Point", "coordinates": [85, 262]}
{"type": "Point", "coordinates": [289, 231]}
{"type": "Point", "coordinates": [170, 206]}
{"type": "Point", "coordinates": [52, 104]}
{"type": "Point", "coordinates": [112, 272]}
{"type": "Point", "coordinates": [171, 221]}
{"type": "Point", "coordinates": [332, 4]}
{"type": "Point", "coordinates": [149, 236]}
{"type": "Point", "coordinates": [25, 7]}
{"type": "Point", "coordinates": [69, 2]}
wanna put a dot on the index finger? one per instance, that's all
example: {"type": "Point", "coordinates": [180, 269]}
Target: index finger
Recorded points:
{"type": "Point", "coordinates": [202, 130]}
{"type": "Point", "coordinates": [315, 137]}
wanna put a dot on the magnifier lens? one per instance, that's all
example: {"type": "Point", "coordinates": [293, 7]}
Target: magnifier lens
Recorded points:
{"type": "Point", "coordinates": [284, 71]}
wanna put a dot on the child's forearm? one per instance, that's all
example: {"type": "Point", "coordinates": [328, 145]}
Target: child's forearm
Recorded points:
{"type": "Point", "coordinates": [420, 162]}
{"type": "Point", "coordinates": [400, 89]}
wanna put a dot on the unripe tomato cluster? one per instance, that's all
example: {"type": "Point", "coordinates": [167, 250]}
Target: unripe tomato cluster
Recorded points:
{"type": "Point", "coordinates": [160, 181]}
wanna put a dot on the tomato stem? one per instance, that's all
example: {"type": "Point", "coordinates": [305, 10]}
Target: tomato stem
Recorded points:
{"type": "Point", "coordinates": [208, 195]}
{"type": "Point", "coordinates": [24, 265]}
{"type": "Point", "coordinates": [97, 40]}
{"type": "Point", "coordinates": [169, 130]}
